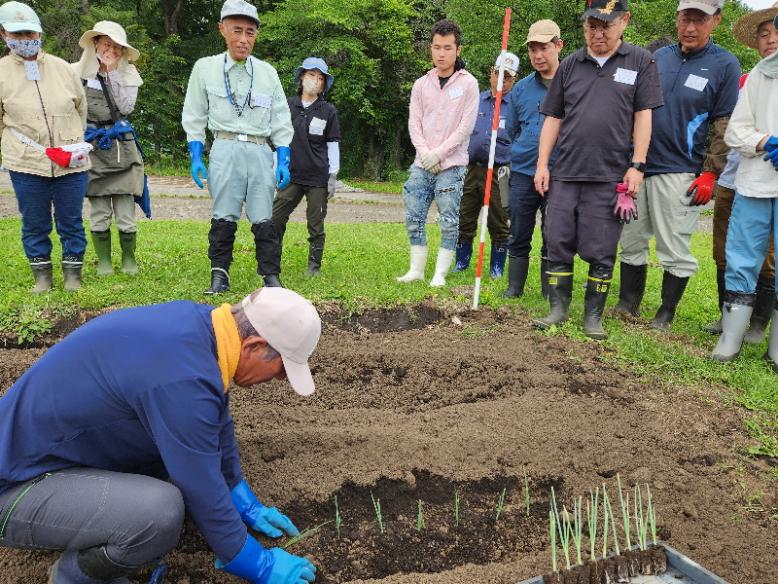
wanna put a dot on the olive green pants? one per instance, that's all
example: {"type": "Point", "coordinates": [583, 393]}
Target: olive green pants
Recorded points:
{"type": "Point", "coordinates": [287, 200]}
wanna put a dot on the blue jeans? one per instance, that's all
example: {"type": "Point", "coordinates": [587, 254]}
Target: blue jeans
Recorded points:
{"type": "Point", "coordinates": [523, 204]}
{"type": "Point", "coordinates": [418, 193]}
{"type": "Point", "coordinates": [35, 195]}
{"type": "Point", "coordinates": [753, 221]}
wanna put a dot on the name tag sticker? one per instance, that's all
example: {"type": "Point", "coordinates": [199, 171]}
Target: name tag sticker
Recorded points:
{"type": "Point", "coordinates": [502, 123]}
{"type": "Point", "coordinates": [94, 84]}
{"type": "Point", "coordinates": [317, 126]}
{"type": "Point", "coordinates": [626, 76]}
{"type": "Point", "coordinates": [261, 100]}
{"type": "Point", "coordinates": [455, 93]}
{"type": "Point", "coordinates": [695, 82]}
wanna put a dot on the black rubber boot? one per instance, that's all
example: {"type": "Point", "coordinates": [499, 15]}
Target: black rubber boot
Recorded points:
{"type": "Point", "coordinates": [71, 272]}
{"type": "Point", "coordinates": [221, 239]}
{"type": "Point", "coordinates": [315, 254]}
{"type": "Point", "coordinates": [735, 315]}
{"type": "Point", "coordinates": [597, 286]}
{"type": "Point", "coordinates": [267, 240]}
{"type": "Point", "coordinates": [41, 269]}
{"type": "Point", "coordinates": [560, 293]}
{"type": "Point", "coordinates": [127, 241]}
{"type": "Point", "coordinates": [544, 277]}
{"type": "Point", "coordinates": [517, 276]}
{"type": "Point", "coordinates": [272, 281]}
{"type": "Point", "coordinates": [101, 241]}
{"type": "Point", "coordinates": [633, 286]}
{"type": "Point", "coordinates": [714, 328]}
{"type": "Point", "coordinates": [672, 291]}
{"type": "Point", "coordinates": [763, 311]}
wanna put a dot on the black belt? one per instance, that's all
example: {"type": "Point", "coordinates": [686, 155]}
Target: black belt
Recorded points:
{"type": "Point", "coordinates": [101, 123]}
{"type": "Point", "coordinates": [486, 164]}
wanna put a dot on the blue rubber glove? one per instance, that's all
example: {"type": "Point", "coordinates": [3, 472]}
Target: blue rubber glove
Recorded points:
{"type": "Point", "coordinates": [772, 157]}
{"type": "Point", "coordinates": [771, 144]}
{"type": "Point", "coordinates": [274, 566]}
{"type": "Point", "coordinates": [283, 176]}
{"type": "Point", "coordinates": [198, 168]}
{"type": "Point", "coordinates": [267, 520]}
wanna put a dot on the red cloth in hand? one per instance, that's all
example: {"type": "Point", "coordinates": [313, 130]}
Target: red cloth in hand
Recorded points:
{"type": "Point", "coordinates": [701, 189]}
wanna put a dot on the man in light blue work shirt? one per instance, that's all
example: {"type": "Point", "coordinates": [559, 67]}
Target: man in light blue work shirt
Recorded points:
{"type": "Point", "coordinates": [544, 46]}
{"type": "Point", "coordinates": [241, 100]}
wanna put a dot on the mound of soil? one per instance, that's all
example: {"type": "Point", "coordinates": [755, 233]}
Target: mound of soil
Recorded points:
{"type": "Point", "coordinates": [424, 408]}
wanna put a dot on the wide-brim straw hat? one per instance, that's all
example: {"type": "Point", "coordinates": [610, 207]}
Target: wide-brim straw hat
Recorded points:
{"type": "Point", "coordinates": [115, 32]}
{"type": "Point", "coordinates": [746, 27]}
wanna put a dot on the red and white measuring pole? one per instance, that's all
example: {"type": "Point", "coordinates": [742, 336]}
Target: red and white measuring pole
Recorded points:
{"type": "Point", "coordinates": [506, 27]}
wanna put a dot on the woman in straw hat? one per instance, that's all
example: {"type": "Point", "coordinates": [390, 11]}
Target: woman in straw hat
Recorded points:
{"type": "Point", "coordinates": [111, 83]}
{"type": "Point", "coordinates": [754, 30]}
{"type": "Point", "coordinates": [753, 132]}
{"type": "Point", "coordinates": [42, 114]}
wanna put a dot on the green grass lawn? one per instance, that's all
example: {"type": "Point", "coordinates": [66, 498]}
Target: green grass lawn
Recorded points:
{"type": "Point", "coordinates": [360, 264]}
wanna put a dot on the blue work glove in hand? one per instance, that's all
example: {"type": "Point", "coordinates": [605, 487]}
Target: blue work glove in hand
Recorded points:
{"type": "Point", "coordinates": [771, 144]}
{"type": "Point", "coordinates": [267, 520]}
{"type": "Point", "coordinates": [283, 176]}
{"type": "Point", "coordinates": [274, 566]}
{"type": "Point", "coordinates": [198, 168]}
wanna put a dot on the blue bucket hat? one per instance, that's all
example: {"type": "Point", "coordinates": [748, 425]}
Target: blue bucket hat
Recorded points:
{"type": "Point", "coordinates": [315, 63]}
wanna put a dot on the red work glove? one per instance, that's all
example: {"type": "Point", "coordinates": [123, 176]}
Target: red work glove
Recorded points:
{"type": "Point", "coordinates": [625, 208]}
{"type": "Point", "coordinates": [59, 156]}
{"type": "Point", "coordinates": [701, 189]}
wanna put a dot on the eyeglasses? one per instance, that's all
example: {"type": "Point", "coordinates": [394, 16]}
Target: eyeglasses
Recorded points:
{"type": "Point", "coordinates": [604, 27]}
{"type": "Point", "coordinates": [684, 20]}
{"type": "Point", "coordinates": [506, 78]}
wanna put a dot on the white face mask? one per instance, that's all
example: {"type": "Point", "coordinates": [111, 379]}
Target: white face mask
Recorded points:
{"type": "Point", "coordinates": [311, 86]}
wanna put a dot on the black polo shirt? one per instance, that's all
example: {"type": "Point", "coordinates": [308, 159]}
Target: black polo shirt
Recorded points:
{"type": "Point", "coordinates": [314, 126]}
{"type": "Point", "coordinates": [597, 107]}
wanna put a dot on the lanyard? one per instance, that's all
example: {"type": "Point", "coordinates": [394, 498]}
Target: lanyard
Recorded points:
{"type": "Point", "coordinates": [238, 108]}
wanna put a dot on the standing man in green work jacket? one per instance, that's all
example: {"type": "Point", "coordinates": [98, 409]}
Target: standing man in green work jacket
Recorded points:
{"type": "Point", "coordinates": [240, 99]}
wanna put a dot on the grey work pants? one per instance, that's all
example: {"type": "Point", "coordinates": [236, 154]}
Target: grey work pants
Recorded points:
{"type": "Point", "coordinates": [136, 519]}
{"type": "Point", "coordinates": [122, 207]}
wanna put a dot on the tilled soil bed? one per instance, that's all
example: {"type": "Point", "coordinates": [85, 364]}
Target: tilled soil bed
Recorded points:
{"type": "Point", "coordinates": [412, 405]}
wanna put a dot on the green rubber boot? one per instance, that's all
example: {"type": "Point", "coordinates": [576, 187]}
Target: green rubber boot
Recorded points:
{"type": "Point", "coordinates": [127, 241]}
{"type": "Point", "coordinates": [101, 241]}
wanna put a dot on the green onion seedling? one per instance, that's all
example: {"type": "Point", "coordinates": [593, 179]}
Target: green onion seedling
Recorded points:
{"type": "Point", "coordinates": [420, 517]}
{"type": "Point", "coordinates": [604, 522]}
{"type": "Point", "coordinates": [552, 531]}
{"type": "Point", "coordinates": [457, 507]}
{"type": "Point", "coordinates": [624, 513]}
{"type": "Point", "coordinates": [526, 492]}
{"type": "Point", "coordinates": [557, 520]}
{"type": "Point", "coordinates": [307, 533]}
{"type": "Point", "coordinates": [338, 520]}
{"type": "Point", "coordinates": [577, 528]}
{"type": "Point", "coordinates": [567, 530]}
{"type": "Point", "coordinates": [500, 504]}
{"type": "Point", "coordinates": [377, 508]}
{"type": "Point", "coordinates": [607, 503]}
{"type": "Point", "coordinates": [592, 512]}
{"type": "Point", "coordinates": [640, 524]}
{"type": "Point", "coordinates": [651, 514]}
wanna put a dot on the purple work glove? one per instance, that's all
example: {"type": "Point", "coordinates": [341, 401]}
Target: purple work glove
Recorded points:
{"type": "Point", "coordinates": [625, 208]}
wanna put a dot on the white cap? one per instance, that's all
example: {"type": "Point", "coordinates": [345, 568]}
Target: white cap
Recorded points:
{"type": "Point", "coordinates": [239, 8]}
{"type": "Point", "coordinates": [511, 63]}
{"type": "Point", "coordinates": [112, 30]}
{"type": "Point", "coordinates": [291, 325]}
{"type": "Point", "coordinates": [709, 7]}
{"type": "Point", "coordinates": [18, 17]}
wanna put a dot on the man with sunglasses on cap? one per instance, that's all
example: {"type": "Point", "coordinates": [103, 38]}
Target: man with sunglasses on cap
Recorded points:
{"type": "Point", "coordinates": [102, 460]}
{"type": "Point", "coordinates": [598, 114]}
{"type": "Point", "coordinates": [475, 179]}
{"type": "Point", "coordinates": [687, 154]}
{"type": "Point", "coordinates": [241, 100]}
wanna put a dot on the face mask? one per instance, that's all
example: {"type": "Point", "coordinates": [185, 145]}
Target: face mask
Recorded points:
{"type": "Point", "coordinates": [24, 48]}
{"type": "Point", "coordinates": [311, 86]}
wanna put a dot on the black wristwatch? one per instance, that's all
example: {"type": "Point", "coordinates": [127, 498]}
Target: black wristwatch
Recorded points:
{"type": "Point", "coordinates": [639, 166]}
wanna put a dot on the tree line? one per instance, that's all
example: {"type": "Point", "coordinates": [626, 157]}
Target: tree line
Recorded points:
{"type": "Point", "coordinates": [375, 50]}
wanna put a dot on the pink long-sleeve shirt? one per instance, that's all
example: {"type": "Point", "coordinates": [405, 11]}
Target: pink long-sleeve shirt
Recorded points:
{"type": "Point", "coordinates": [441, 120]}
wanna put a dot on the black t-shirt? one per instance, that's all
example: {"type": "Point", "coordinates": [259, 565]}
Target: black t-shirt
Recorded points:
{"type": "Point", "coordinates": [314, 126]}
{"type": "Point", "coordinates": [597, 107]}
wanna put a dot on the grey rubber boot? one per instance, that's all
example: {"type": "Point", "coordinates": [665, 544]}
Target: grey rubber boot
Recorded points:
{"type": "Point", "coordinates": [560, 293]}
{"type": "Point", "coordinates": [632, 288]}
{"type": "Point", "coordinates": [597, 286]}
{"type": "Point", "coordinates": [763, 310]}
{"type": "Point", "coordinates": [128, 240]}
{"type": "Point", "coordinates": [772, 344]}
{"type": "Point", "coordinates": [517, 276]}
{"type": "Point", "coordinates": [672, 291]}
{"type": "Point", "coordinates": [41, 269]}
{"type": "Point", "coordinates": [101, 241]}
{"type": "Point", "coordinates": [735, 316]}
{"type": "Point", "coordinates": [714, 327]}
{"type": "Point", "coordinates": [71, 272]}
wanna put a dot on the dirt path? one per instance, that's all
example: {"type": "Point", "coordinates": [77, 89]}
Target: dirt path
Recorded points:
{"type": "Point", "coordinates": [439, 407]}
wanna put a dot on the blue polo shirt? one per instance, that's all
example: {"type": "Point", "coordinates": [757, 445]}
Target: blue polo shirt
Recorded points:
{"type": "Point", "coordinates": [697, 87]}
{"type": "Point", "coordinates": [525, 124]}
{"type": "Point", "coordinates": [481, 138]}
{"type": "Point", "coordinates": [135, 391]}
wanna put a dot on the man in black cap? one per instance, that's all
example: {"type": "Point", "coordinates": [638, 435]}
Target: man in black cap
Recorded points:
{"type": "Point", "coordinates": [598, 111]}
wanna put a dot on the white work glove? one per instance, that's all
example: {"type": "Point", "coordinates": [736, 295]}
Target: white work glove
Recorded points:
{"type": "Point", "coordinates": [332, 184]}
{"type": "Point", "coordinates": [430, 160]}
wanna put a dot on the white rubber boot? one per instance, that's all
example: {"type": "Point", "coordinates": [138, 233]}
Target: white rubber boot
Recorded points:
{"type": "Point", "coordinates": [772, 347]}
{"type": "Point", "coordinates": [734, 323]}
{"type": "Point", "coordinates": [418, 263]}
{"type": "Point", "coordinates": [442, 266]}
